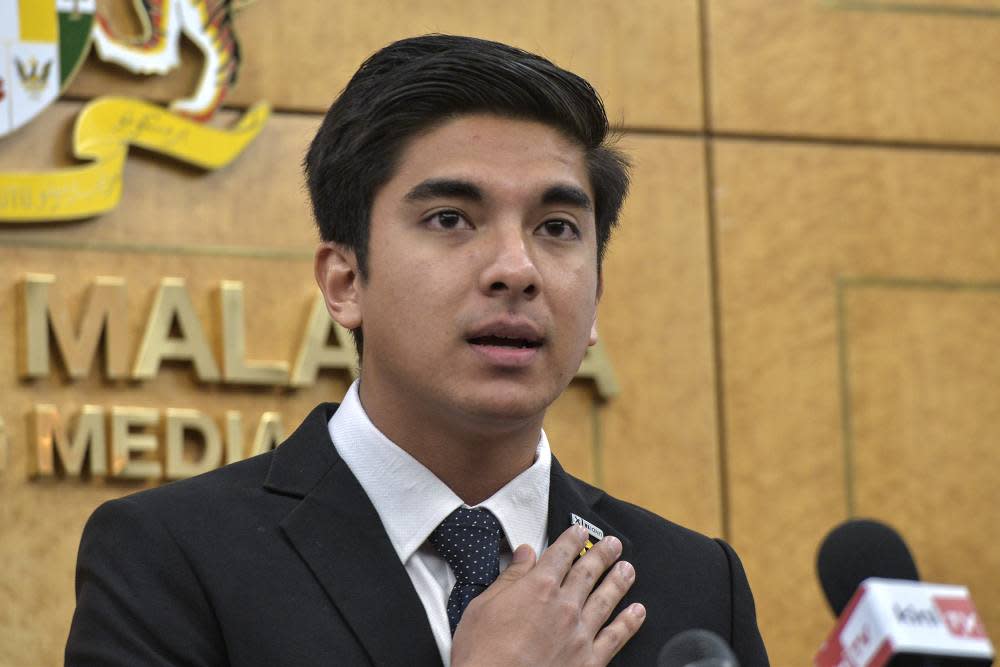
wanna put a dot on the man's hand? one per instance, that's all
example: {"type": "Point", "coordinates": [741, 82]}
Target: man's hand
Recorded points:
{"type": "Point", "coordinates": [548, 613]}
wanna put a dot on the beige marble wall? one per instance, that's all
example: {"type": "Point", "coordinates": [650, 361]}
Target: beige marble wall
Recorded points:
{"type": "Point", "coordinates": [800, 308]}
{"type": "Point", "coordinates": [858, 288]}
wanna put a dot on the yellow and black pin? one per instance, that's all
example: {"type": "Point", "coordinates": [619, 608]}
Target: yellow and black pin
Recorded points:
{"type": "Point", "coordinates": [594, 536]}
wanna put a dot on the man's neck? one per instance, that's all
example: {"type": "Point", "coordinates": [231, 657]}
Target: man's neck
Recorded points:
{"type": "Point", "coordinates": [474, 457]}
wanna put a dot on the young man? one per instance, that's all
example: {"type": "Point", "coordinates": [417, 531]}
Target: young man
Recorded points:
{"type": "Point", "coordinates": [465, 193]}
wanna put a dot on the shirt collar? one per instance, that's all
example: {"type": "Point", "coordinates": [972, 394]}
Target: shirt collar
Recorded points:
{"type": "Point", "coordinates": [411, 501]}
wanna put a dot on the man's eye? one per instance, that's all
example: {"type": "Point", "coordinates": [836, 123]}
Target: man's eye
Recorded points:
{"type": "Point", "coordinates": [560, 229]}
{"type": "Point", "coordinates": [448, 220]}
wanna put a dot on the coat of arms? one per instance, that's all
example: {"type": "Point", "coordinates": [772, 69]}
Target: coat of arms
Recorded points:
{"type": "Point", "coordinates": [44, 42]}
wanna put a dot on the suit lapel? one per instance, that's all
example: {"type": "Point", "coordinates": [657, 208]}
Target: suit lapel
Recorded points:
{"type": "Point", "coordinates": [569, 496]}
{"type": "Point", "coordinates": [337, 532]}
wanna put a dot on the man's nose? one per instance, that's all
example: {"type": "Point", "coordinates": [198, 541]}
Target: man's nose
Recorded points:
{"type": "Point", "coordinates": [511, 269]}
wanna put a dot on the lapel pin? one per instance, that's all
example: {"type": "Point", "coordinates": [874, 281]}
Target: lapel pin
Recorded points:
{"type": "Point", "coordinates": [595, 533]}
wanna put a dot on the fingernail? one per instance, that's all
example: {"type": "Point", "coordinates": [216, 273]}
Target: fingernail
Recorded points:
{"type": "Point", "coordinates": [637, 610]}
{"type": "Point", "coordinates": [616, 544]}
{"type": "Point", "coordinates": [626, 570]}
{"type": "Point", "coordinates": [521, 554]}
{"type": "Point", "coordinates": [581, 532]}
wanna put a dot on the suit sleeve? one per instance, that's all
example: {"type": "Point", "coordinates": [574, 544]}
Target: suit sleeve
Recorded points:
{"type": "Point", "coordinates": [138, 600]}
{"type": "Point", "coordinates": [744, 635]}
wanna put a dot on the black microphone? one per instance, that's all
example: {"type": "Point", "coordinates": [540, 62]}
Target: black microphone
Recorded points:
{"type": "Point", "coordinates": [887, 617]}
{"type": "Point", "coordinates": [856, 550]}
{"type": "Point", "coordinates": [696, 648]}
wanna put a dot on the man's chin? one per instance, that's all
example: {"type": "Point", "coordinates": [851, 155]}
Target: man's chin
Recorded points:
{"type": "Point", "coordinates": [509, 406]}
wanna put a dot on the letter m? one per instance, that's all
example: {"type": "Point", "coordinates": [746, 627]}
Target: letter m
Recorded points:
{"type": "Point", "coordinates": [50, 442]}
{"type": "Point", "coordinates": [103, 311]}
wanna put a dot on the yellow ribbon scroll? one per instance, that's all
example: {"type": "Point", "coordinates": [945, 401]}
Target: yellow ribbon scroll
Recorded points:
{"type": "Point", "coordinates": [104, 130]}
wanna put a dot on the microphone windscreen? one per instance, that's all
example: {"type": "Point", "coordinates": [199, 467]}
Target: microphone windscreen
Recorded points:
{"type": "Point", "coordinates": [696, 648]}
{"type": "Point", "coordinates": [856, 550]}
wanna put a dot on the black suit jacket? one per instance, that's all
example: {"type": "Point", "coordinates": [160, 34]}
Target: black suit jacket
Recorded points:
{"type": "Point", "coordinates": [282, 560]}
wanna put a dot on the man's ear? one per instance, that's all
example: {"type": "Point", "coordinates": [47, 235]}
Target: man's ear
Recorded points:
{"type": "Point", "coordinates": [336, 269]}
{"type": "Point", "coordinates": [593, 325]}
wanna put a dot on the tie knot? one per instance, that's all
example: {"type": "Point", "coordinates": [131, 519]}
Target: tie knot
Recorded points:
{"type": "Point", "coordinates": [469, 541]}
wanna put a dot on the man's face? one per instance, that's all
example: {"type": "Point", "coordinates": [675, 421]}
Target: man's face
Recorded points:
{"type": "Point", "coordinates": [482, 286]}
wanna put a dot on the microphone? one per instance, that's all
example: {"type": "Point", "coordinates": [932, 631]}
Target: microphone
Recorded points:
{"type": "Point", "coordinates": [887, 617]}
{"type": "Point", "coordinates": [856, 550]}
{"type": "Point", "coordinates": [696, 648]}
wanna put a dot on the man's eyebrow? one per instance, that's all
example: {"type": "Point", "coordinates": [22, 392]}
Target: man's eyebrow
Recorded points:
{"type": "Point", "coordinates": [445, 187]}
{"type": "Point", "coordinates": [433, 188]}
{"type": "Point", "coordinates": [567, 195]}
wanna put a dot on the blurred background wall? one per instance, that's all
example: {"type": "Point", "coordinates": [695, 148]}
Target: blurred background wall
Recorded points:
{"type": "Point", "coordinates": [802, 307]}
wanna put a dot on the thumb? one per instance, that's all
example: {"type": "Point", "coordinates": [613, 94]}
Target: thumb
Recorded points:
{"type": "Point", "coordinates": [522, 560]}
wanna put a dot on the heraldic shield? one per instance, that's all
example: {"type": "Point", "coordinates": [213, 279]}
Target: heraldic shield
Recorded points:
{"type": "Point", "coordinates": [42, 45]}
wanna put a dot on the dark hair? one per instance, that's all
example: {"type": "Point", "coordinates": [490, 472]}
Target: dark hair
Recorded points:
{"type": "Point", "coordinates": [413, 84]}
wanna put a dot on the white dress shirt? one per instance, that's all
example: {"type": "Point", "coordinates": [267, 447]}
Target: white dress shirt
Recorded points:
{"type": "Point", "coordinates": [411, 502]}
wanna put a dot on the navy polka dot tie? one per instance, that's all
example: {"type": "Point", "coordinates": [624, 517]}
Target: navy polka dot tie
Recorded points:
{"type": "Point", "coordinates": [469, 540]}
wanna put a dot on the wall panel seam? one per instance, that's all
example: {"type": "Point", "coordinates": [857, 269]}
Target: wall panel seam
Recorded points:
{"type": "Point", "coordinates": [721, 438]}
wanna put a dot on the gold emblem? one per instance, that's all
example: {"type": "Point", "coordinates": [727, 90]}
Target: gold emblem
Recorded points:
{"type": "Point", "coordinates": [32, 78]}
{"type": "Point", "coordinates": [595, 533]}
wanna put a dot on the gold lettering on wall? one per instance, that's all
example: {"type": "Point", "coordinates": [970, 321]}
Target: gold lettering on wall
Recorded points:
{"type": "Point", "coordinates": [127, 440]}
{"type": "Point", "coordinates": [316, 352]}
{"type": "Point", "coordinates": [173, 331]}
{"type": "Point", "coordinates": [597, 366]}
{"type": "Point", "coordinates": [152, 443]}
{"type": "Point", "coordinates": [173, 304]}
{"type": "Point", "coordinates": [179, 422]}
{"type": "Point", "coordinates": [71, 447]}
{"type": "Point", "coordinates": [236, 368]}
{"type": "Point", "coordinates": [103, 310]}
{"type": "Point", "coordinates": [48, 438]}
{"type": "Point", "coordinates": [270, 433]}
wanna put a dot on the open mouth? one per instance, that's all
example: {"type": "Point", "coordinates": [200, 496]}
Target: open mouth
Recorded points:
{"type": "Point", "coordinates": [503, 341]}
